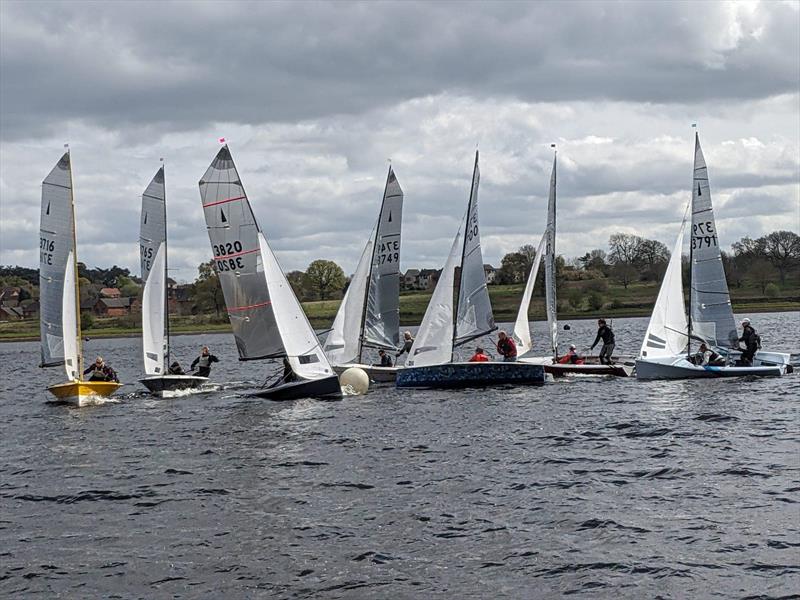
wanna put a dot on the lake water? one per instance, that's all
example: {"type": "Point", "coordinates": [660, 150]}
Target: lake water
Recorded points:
{"type": "Point", "coordinates": [602, 488]}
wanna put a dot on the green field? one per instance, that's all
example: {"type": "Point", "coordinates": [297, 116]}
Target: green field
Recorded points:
{"type": "Point", "coordinates": [617, 301]}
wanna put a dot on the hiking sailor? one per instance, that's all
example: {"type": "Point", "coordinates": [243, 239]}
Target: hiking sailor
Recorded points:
{"type": "Point", "coordinates": [203, 363]}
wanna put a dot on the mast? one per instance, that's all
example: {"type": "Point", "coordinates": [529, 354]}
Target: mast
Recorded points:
{"type": "Point", "coordinates": [166, 273]}
{"type": "Point", "coordinates": [363, 319]}
{"type": "Point", "coordinates": [552, 260]}
{"type": "Point", "coordinates": [691, 253]}
{"type": "Point", "coordinates": [457, 288]}
{"type": "Point", "coordinates": [75, 258]}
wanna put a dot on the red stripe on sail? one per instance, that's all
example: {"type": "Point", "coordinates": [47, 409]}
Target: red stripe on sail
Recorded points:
{"type": "Point", "coordinates": [243, 252]}
{"type": "Point", "coordinates": [224, 201]}
{"type": "Point", "coordinates": [238, 308]}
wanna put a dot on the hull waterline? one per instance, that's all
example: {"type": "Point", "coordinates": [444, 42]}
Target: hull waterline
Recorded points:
{"type": "Point", "coordinates": [376, 374]}
{"type": "Point", "coordinates": [82, 393]}
{"type": "Point", "coordinates": [680, 368]}
{"type": "Point", "coordinates": [157, 385]}
{"type": "Point", "coordinates": [327, 388]}
{"type": "Point", "coordinates": [470, 375]}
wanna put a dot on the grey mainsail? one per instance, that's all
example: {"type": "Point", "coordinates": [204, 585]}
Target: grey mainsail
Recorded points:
{"type": "Point", "coordinates": [382, 308]}
{"type": "Point", "coordinates": [711, 312]}
{"type": "Point", "coordinates": [56, 253]}
{"type": "Point", "coordinates": [153, 255]}
{"type": "Point", "coordinates": [234, 236]}
{"type": "Point", "coordinates": [474, 316]}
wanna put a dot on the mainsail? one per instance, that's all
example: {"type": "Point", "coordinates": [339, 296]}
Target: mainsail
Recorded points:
{"type": "Point", "coordinates": [550, 264]}
{"type": "Point", "coordinates": [234, 236]}
{"type": "Point", "coordinates": [522, 328]}
{"type": "Point", "coordinates": [666, 332]}
{"type": "Point", "coordinates": [153, 254]}
{"type": "Point", "coordinates": [474, 315]}
{"type": "Point", "coordinates": [369, 314]}
{"type": "Point", "coordinates": [711, 312]}
{"type": "Point", "coordinates": [57, 297]}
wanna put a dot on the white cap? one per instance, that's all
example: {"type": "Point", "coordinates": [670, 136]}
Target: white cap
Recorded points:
{"type": "Point", "coordinates": [572, 346]}
{"type": "Point", "coordinates": [745, 321]}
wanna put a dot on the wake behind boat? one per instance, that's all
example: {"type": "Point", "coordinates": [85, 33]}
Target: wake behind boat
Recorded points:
{"type": "Point", "coordinates": [265, 315]}
{"type": "Point", "coordinates": [60, 319]}
{"type": "Point", "coordinates": [450, 323]}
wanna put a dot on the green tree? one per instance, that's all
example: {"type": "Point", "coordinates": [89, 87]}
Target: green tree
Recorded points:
{"type": "Point", "coordinates": [596, 301]}
{"type": "Point", "coordinates": [782, 250]}
{"type": "Point", "coordinates": [324, 278]}
{"type": "Point", "coordinates": [297, 279]}
{"type": "Point", "coordinates": [87, 320]}
{"type": "Point", "coordinates": [208, 291]}
{"type": "Point", "coordinates": [514, 268]}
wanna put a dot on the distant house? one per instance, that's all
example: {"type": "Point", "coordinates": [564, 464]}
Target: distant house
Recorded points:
{"type": "Point", "coordinates": [112, 307]}
{"type": "Point", "coordinates": [180, 299]}
{"type": "Point", "coordinates": [428, 278]}
{"type": "Point", "coordinates": [31, 309]}
{"type": "Point", "coordinates": [110, 293]}
{"type": "Point", "coordinates": [411, 279]}
{"type": "Point", "coordinates": [9, 296]}
{"type": "Point", "coordinates": [11, 313]}
{"type": "Point", "coordinates": [490, 273]}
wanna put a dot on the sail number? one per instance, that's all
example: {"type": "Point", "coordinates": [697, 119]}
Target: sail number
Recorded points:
{"type": "Point", "coordinates": [231, 263]}
{"type": "Point", "coordinates": [703, 235]}
{"type": "Point", "coordinates": [147, 257]}
{"type": "Point", "coordinates": [389, 252]}
{"type": "Point", "coordinates": [46, 249]}
{"type": "Point", "coordinates": [472, 228]}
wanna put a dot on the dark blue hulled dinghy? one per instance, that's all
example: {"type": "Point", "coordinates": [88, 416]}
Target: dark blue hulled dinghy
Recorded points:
{"type": "Point", "coordinates": [449, 323]}
{"type": "Point", "coordinates": [265, 315]}
{"type": "Point", "coordinates": [369, 315]}
{"type": "Point", "coordinates": [666, 348]}
{"type": "Point", "coordinates": [155, 307]}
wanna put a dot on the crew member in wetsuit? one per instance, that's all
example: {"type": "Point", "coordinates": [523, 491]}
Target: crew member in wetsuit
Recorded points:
{"type": "Point", "coordinates": [203, 363]}
{"type": "Point", "coordinates": [507, 347]}
{"type": "Point", "coordinates": [604, 332]}
{"type": "Point", "coordinates": [386, 360]}
{"type": "Point", "coordinates": [710, 358]}
{"type": "Point", "coordinates": [408, 341]}
{"type": "Point", "coordinates": [571, 358]}
{"type": "Point", "coordinates": [750, 339]}
{"type": "Point", "coordinates": [479, 356]}
{"type": "Point", "coordinates": [176, 369]}
{"type": "Point", "coordinates": [100, 371]}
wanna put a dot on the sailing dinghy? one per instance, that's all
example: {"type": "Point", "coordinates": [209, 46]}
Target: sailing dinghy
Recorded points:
{"type": "Point", "coordinates": [666, 348]}
{"type": "Point", "coordinates": [60, 319]}
{"type": "Point", "coordinates": [522, 332]}
{"type": "Point", "coordinates": [155, 307]}
{"type": "Point", "coordinates": [369, 315]}
{"type": "Point", "coordinates": [265, 315]}
{"type": "Point", "coordinates": [448, 324]}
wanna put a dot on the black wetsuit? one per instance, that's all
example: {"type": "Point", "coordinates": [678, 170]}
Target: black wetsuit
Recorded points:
{"type": "Point", "coordinates": [203, 364]}
{"type": "Point", "coordinates": [607, 336]}
{"type": "Point", "coordinates": [386, 361]}
{"type": "Point", "coordinates": [406, 348]}
{"type": "Point", "coordinates": [750, 339]}
{"type": "Point", "coordinates": [104, 373]}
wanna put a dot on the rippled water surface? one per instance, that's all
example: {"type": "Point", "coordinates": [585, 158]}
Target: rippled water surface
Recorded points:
{"type": "Point", "coordinates": [596, 487]}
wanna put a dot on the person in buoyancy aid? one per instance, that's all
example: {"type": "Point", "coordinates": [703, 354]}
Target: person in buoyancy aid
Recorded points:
{"type": "Point", "coordinates": [604, 333]}
{"type": "Point", "coordinates": [203, 363]}
{"type": "Point", "coordinates": [708, 358]}
{"type": "Point", "coordinates": [176, 369]}
{"type": "Point", "coordinates": [408, 341]}
{"type": "Point", "coordinates": [571, 358]}
{"type": "Point", "coordinates": [506, 346]}
{"type": "Point", "coordinates": [100, 371]}
{"type": "Point", "coordinates": [386, 360]}
{"type": "Point", "coordinates": [752, 342]}
{"type": "Point", "coordinates": [479, 356]}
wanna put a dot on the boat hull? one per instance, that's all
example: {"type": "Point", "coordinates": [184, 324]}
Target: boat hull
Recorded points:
{"type": "Point", "coordinates": [589, 367]}
{"type": "Point", "coordinates": [82, 393]}
{"type": "Point", "coordinates": [327, 388]}
{"type": "Point", "coordinates": [470, 374]}
{"type": "Point", "coordinates": [375, 374]}
{"type": "Point", "coordinates": [680, 368]}
{"type": "Point", "coordinates": [157, 385]}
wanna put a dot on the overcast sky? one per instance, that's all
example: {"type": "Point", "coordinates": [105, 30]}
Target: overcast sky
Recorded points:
{"type": "Point", "coordinates": [315, 97]}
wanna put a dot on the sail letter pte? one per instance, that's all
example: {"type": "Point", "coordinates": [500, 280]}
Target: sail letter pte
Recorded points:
{"type": "Point", "coordinates": [712, 315]}
{"type": "Point", "coordinates": [237, 260]}
{"type": "Point", "coordinates": [55, 247]}
{"type": "Point", "coordinates": [152, 251]}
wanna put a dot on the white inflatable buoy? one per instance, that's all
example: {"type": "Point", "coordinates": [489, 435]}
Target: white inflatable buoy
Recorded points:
{"type": "Point", "coordinates": [356, 379]}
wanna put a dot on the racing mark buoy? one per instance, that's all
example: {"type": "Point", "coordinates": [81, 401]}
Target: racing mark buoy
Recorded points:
{"type": "Point", "coordinates": [356, 379]}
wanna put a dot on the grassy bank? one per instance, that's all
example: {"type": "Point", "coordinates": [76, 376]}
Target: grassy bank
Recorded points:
{"type": "Point", "coordinates": [616, 301]}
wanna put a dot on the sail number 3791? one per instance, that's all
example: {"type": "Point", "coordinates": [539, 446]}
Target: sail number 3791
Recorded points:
{"type": "Point", "coordinates": [703, 235]}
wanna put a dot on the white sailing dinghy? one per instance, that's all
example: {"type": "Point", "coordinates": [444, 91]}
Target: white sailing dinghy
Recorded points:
{"type": "Point", "coordinates": [59, 316]}
{"type": "Point", "coordinates": [666, 349]}
{"type": "Point", "coordinates": [369, 315]}
{"type": "Point", "coordinates": [155, 307]}
{"type": "Point", "coordinates": [522, 332]}
{"type": "Point", "coordinates": [266, 317]}
{"type": "Point", "coordinates": [450, 323]}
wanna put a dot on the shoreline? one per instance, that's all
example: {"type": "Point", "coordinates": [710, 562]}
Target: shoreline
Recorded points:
{"type": "Point", "coordinates": [322, 324]}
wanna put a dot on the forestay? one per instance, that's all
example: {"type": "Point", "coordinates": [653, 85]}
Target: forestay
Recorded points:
{"type": "Point", "coordinates": [301, 343]}
{"type": "Point", "coordinates": [712, 315]}
{"type": "Point", "coordinates": [550, 264]}
{"type": "Point", "coordinates": [234, 236]}
{"type": "Point", "coordinates": [56, 263]}
{"type": "Point", "coordinates": [153, 250]}
{"type": "Point", "coordinates": [667, 331]}
{"type": "Point", "coordinates": [522, 328]}
{"type": "Point", "coordinates": [474, 314]}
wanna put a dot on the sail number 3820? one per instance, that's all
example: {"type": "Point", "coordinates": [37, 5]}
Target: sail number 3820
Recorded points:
{"type": "Point", "coordinates": [224, 261]}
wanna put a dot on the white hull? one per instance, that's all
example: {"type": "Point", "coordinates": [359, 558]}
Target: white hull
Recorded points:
{"type": "Point", "coordinates": [678, 367]}
{"type": "Point", "coordinates": [375, 374]}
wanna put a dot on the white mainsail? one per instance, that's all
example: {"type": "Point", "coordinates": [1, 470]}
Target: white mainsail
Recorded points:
{"type": "Point", "coordinates": [667, 331]}
{"type": "Point", "coordinates": [299, 339]}
{"type": "Point", "coordinates": [153, 253]}
{"type": "Point", "coordinates": [550, 264]}
{"type": "Point", "coordinates": [522, 328]}
{"type": "Point", "coordinates": [70, 321]}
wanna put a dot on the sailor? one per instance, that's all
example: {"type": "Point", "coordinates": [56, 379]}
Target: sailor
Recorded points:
{"type": "Point", "coordinates": [176, 369]}
{"type": "Point", "coordinates": [751, 343]}
{"type": "Point", "coordinates": [386, 360]}
{"type": "Point", "coordinates": [571, 358]}
{"type": "Point", "coordinates": [479, 356]}
{"type": "Point", "coordinates": [203, 363]}
{"type": "Point", "coordinates": [710, 358]}
{"type": "Point", "coordinates": [604, 332]}
{"type": "Point", "coordinates": [507, 347]}
{"type": "Point", "coordinates": [100, 371]}
{"type": "Point", "coordinates": [408, 341]}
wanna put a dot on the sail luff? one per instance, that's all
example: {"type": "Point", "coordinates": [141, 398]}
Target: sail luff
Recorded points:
{"type": "Point", "coordinates": [522, 329]}
{"type": "Point", "coordinates": [76, 298]}
{"type": "Point", "coordinates": [550, 264]}
{"type": "Point", "coordinates": [166, 276]}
